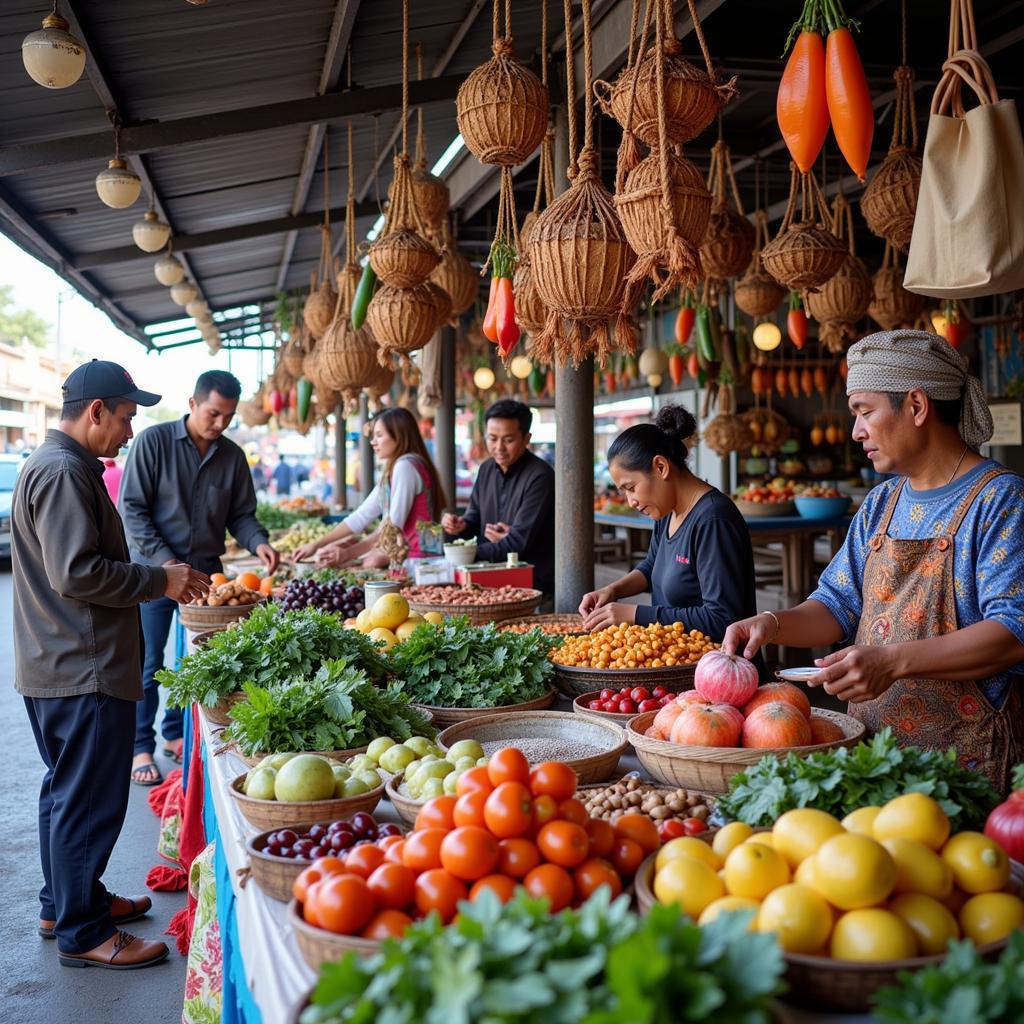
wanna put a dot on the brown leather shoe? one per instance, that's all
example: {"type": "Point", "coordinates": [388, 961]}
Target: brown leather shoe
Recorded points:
{"type": "Point", "coordinates": [121, 952]}
{"type": "Point", "coordinates": [122, 910]}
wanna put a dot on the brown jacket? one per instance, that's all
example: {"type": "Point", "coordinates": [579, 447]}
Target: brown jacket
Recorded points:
{"type": "Point", "coordinates": [76, 594]}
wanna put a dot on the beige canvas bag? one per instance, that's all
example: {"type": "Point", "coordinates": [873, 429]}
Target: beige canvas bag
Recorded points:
{"type": "Point", "coordinates": [968, 235]}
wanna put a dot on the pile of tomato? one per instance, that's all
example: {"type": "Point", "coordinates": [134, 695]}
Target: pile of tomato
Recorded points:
{"type": "Point", "coordinates": [506, 826]}
{"type": "Point", "coordinates": [631, 700]}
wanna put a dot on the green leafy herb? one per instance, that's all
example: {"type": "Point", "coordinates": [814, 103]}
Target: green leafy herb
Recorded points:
{"type": "Point", "coordinates": [273, 517]}
{"type": "Point", "coordinates": [266, 648]}
{"type": "Point", "coordinates": [459, 665]}
{"type": "Point", "coordinates": [840, 781]}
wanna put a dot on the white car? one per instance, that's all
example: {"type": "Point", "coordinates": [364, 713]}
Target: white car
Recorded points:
{"type": "Point", "coordinates": [10, 467]}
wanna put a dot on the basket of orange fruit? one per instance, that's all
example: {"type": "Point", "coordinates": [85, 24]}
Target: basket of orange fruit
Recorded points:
{"type": "Point", "coordinates": [227, 601]}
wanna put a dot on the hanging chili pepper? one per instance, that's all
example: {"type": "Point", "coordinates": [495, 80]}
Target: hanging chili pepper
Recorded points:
{"type": "Point", "coordinates": [677, 366]}
{"type": "Point", "coordinates": [364, 292]}
{"type": "Point", "coordinates": [304, 393]}
{"type": "Point", "coordinates": [490, 327]}
{"type": "Point", "coordinates": [693, 365]}
{"type": "Point", "coordinates": [685, 319]}
{"type": "Point", "coordinates": [276, 402]}
{"type": "Point", "coordinates": [846, 88]}
{"type": "Point", "coordinates": [801, 107]}
{"type": "Point", "coordinates": [796, 320]}
{"type": "Point", "coordinates": [705, 346]}
{"type": "Point", "coordinates": [505, 316]}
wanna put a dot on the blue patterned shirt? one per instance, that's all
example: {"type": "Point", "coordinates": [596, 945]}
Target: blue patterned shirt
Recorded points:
{"type": "Point", "coordinates": [988, 553]}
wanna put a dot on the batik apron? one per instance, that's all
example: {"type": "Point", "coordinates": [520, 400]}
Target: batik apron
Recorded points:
{"type": "Point", "coordinates": [908, 594]}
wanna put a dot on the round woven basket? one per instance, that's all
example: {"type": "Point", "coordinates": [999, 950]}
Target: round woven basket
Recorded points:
{"type": "Point", "coordinates": [891, 304]}
{"type": "Point", "coordinates": [335, 755]}
{"type": "Point", "coordinates": [728, 243]}
{"type": "Point", "coordinates": [274, 814]}
{"type": "Point", "coordinates": [444, 717]}
{"type": "Point", "coordinates": [579, 706]}
{"type": "Point", "coordinates": [507, 730]}
{"type": "Point", "coordinates": [710, 769]}
{"type": "Point", "coordinates": [401, 319]}
{"type": "Point", "coordinates": [455, 274]}
{"type": "Point", "coordinates": [552, 619]}
{"type": "Point", "coordinates": [292, 356]}
{"type": "Point", "coordinates": [405, 806]}
{"type": "Point", "coordinates": [889, 202]}
{"type": "Point", "coordinates": [402, 258]}
{"type": "Point", "coordinates": [757, 293]}
{"type": "Point", "coordinates": [219, 713]}
{"type": "Point", "coordinates": [318, 310]}
{"type": "Point", "coordinates": [430, 197]}
{"type": "Point", "coordinates": [804, 257]}
{"type": "Point", "coordinates": [317, 945]}
{"type": "Point", "coordinates": [755, 509]}
{"type": "Point", "coordinates": [573, 681]}
{"type": "Point", "coordinates": [442, 302]}
{"type": "Point", "coordinates": [275, 875]}
{"type": "Point", "coordinates": [530, 310]}
{"type": "Point", "coordinates": [482, 613]}
{"type": "Point", "coordinates": [202, 619]}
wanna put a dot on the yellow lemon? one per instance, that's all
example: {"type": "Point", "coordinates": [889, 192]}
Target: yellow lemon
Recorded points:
{"type": "Point", "coordinates": [799, 833]}
{"type": "Point", "coordinates": [912, 816]}
{"type": "Point", "coordinates": [753, 870]}
{"type": "Point", "coordinates": [919, 868]}
{"type": "Point", "coordinates": [386, 635]}
{"type": "Point", "coordinates": [687, 846]}
{"type": "Point", "coordinates": [729, 905]}
{"type": "Point", "coordinates": [415, 617]}
{"type": "Point", "coordinates": [804, 874]}
{"type": "Point", "coordinates": [932, 923]}
{"type": "Point", "coordinates": [689, 884]}
{"type": "Point", "coordinates": [853, 871]}
{"type": "Point", "coordinates": [861, 820]}
{"type": "Point", "coordinates": [872, 934]}
{"type": "Point", "coordinates": [434, 618]}
{"type": "Point", "coordinates": [389, 611]}
{"type": "Point", "coordinates": [406, 629]}
{"type": "Point", "coordinates": [979, 864]}
{"type": "Point", "coordinates": [363, 623]}
{"type": "Point", "coordinates": [764, 838]}
{"type": "Point", "coordinates": [728, 837]}
{"type": "Point", "coordinates": [991, 916]}
{"type": "Point", "coordinates": [799, 917]}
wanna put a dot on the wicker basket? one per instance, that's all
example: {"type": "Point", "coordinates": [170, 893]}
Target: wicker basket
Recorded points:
{"type": "Point", "coordinates": [401, 319]}
{"type": "Point", "coordinates": [482, 613]}
{"type": "Point", "coordinates": [753, 509]}
{"type": "Point", "coordinates": [405, 806]}
{"type": "Point", "coordinates": [444, 717]}
{"type": "Point", "coordinates": [318, 945]}
{"type": "Point", "coordinates": [273, 814]}
{"type": "Point", "coordinates": [335, 755]}
{"type": "Point", "coordinates": [220, 713]}
{"type": "Point", "coordinates": [573, 681]}
{"type": "Point", "coordinates": [579, 706]}
{"type": "Point", "coordinates": [710, 769]}
{"type": "Point", "coordinates": [402, 258]}
{"type": "Point", "coordinates": [199, 618]}
{"type": "Point", "coordinates": [275, 875]}
{"type": "Point", "coordinates": [540, 621]}
{"type": "Point", "coordinates": [455, 274]}
{"type": "Point", "coordinates": [507, 729]}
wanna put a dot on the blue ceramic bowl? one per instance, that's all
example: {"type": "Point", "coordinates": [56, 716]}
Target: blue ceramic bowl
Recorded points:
{"type": "Point", "coordinates": [822, 508]}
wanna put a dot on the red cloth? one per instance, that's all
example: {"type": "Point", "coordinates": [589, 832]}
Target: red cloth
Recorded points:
{"type": "Point", "coordinates": [158, 795]}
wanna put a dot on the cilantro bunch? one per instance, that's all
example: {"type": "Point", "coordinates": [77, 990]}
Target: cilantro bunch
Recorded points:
{"type": "Point", "coordinates": [459, 665]}
{"type": "Point", "coordinates": [870, 773]}
{"type": "Point", "coordinates": [267, 648]}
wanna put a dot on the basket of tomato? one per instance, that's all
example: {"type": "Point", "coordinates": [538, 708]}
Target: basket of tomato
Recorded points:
{"type": "Point", "coordinates": [620, 705]}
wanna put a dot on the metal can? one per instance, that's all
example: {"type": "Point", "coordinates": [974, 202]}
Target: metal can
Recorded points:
{"type": "Point", "coordinates": [374, 589]}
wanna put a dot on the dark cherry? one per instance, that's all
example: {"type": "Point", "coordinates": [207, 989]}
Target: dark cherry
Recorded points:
{"type": "Point", "coordinates": [342, 841]}
{"type": "Point", "coordinates": [287, 837]}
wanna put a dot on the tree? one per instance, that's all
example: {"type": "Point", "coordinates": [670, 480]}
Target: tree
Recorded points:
{"type": "Point", "coordinates": [16, 324]}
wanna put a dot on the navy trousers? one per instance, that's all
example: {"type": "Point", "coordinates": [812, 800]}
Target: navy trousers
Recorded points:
{"type": "Point", "coordinates": [157, 617]}
{"type": "Point", "coordinates": [86, 745]}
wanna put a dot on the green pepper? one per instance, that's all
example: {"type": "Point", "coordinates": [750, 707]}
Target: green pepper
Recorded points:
{"type": "Point", "coordinates": [715, 323]}
{"type": "Point", "coordinates": [304, 395]}
{"type": "Point", "coordinates": [705, 346]}
{"type": "Point", "coordinates": [364, 292]}
{"type": "Point", "coordinates": [537, 379]}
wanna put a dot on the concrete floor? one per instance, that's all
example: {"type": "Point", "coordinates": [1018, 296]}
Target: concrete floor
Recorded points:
{"type": "Point", "coordinates": [35, 988]}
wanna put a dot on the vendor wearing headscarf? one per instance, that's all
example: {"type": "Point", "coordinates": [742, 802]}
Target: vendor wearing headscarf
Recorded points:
{"type": "Point", "coordinates": [927, 593]}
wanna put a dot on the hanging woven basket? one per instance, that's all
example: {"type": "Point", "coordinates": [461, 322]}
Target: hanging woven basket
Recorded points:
{"type": "Point", "coordinates": [892, 306]}
{"type": "Point", "coordinates": [730, 237]}
{"type": "Point", "coordinates": [757, 293]}
{"type": "Point", "coordinates": [383, 379]}
{"type": "Point", "coordinates": [531, 313]}
{"type": "Point", "coordinates": [455, 274]}
{"type": "Point", "coordinates": [347, 358]}
{"type": "Point", "coordinates": [442, 302]}
{"type": "Point", "coordinates": [292, 355]}
{"type": "Point", "coordinates": [889, 202]}
{"type": "Point", "coordinates": [318, 310]}
{"type": "Point", "coordinates": [431, 196]}
{"type": "Point", "coordinates": [401, 319]}
{"type": "Point", "coordinates": [403, 258]}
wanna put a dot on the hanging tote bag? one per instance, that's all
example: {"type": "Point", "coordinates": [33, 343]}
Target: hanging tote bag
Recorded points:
{"type": "Point", "coordinates": [968, 235]}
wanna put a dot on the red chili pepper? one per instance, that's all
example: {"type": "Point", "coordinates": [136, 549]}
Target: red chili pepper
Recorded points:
{"type": "Point", "coordinates": [796, 321]}
{"type": "Point", "coordinates": [609, 381]}
{"type": "Point", "coordinates": [693, 365]}
{"type": "Point", "coordinates": [505, 316]}
{"type": "Point", "coordinates": [676, 368]}
{"type": "Point", "coordinates": [490, 327]}
{"type": "Point", "coordinates": [685, 319]}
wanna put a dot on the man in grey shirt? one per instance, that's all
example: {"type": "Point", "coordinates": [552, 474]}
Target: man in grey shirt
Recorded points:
{"type": "Point", "coordinates": [78, 656]}
{"type": "Point", "coordinates": [184, 484]}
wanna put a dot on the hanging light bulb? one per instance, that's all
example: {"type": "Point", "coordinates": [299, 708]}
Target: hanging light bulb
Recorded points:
{"type": "Point", "coordinates": [654, 380]}
{"type": "Point", "coordinates": [151, 233]}
{"type": "Point", "coordinates": [521, 367]}
{"type": "Point", "coordinates": [183, 292]}
{"type": "Point", "coordinates": [767, 336]}
{"type": "Point", "coordinates": [118, 186]}
{"type": "Point", "coordinates": [168, 270]}
{"type": "Point", "coordinates": [483, 378]}
{"type": "Point", "coordinates": [52, 56]}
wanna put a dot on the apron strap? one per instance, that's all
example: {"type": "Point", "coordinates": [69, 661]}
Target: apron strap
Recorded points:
{"type": "Point", "coordinates": [883, 527]}
{"type": "Point", "coordinates": [971, 496]}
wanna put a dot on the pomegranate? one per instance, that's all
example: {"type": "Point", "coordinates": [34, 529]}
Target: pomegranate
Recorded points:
{"type": "Point", "coordinates": [706, 725]}
{"type": "Point", "coordinates": [725, 678]}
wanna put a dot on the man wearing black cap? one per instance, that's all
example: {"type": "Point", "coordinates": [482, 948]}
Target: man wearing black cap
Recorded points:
{"type": "Point", "coordinates": [78, 661]}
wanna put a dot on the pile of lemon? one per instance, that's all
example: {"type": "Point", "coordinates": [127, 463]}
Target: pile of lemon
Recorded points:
{"type": "Point", "coordinates": [390, 620]}
{"type": "Point", "coordinates": [885, 883]}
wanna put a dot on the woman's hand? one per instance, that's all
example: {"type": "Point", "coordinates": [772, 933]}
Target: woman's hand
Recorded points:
{"type": "Point", "coordinates": [749, 635]}
{"type": "Point", "coordinates": [609, 614]}
{"type": "Point", "coordinates": [595, 599]}
{"type": "Point", "coordinates": [857, 673]}
{"type": "Point", "coordinates": [333, 555]}
{"type": "Point", "coordinates": [306, 552]}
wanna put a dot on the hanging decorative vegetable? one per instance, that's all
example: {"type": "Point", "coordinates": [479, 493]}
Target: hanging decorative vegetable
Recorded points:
{"type": "Point", "coordinates": [801, 107]}
{"type": "Point", "coordinates": [891, 304]}
{"type": "Point", "coordinates": [796, 321]}
{"type": "Point", "coordinates": [685, 318]}
{"type": "Point", "coordinates": [318, 310]}
{"type": "Point", "coordinates": [730, 237]}
{"type": "Point", "coordinates": [805, 253]}
{"type": "Point", "coordinates": [757, 293]}
{"type": "Point", "coordinates": [844, 298]}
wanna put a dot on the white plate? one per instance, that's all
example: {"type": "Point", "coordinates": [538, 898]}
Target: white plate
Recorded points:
{"type": "Point", "coordinates": [798, 675]}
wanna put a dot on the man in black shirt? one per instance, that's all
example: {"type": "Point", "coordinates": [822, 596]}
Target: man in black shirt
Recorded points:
{"type": "Point", "coordinates": [513, 500]}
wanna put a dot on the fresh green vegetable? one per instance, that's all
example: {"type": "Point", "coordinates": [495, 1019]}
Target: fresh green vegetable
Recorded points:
{"type": "Point", "coordinates": [266, 648]}
{"type": "Point", "coordinates": [273, 517]}
{"type": "Point", "coordinates": [364, 292]}
{"type": "Point", "coordinates": [599, 964]}
{"type": "Point", "coordinates": [840, 781]}
{"type": "Point", "coordinates": [304, 393]}
{"type": "Point", "coordinates": [459, 665]}
{"type": "Point", "coordinates": [705, 344]}
{"type": "Point", "coordinates": [715, 325]}
{"type": "Point", "coordinates": [1018, 777]}
{"type": "Point", "coordinates": [339, 708]}
{"type": "Point", "coordinates": [963, 989]}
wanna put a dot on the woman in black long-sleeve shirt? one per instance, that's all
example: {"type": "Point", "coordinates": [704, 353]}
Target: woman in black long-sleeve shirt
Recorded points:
{"type": "Point", "coordinates": [700, 565]}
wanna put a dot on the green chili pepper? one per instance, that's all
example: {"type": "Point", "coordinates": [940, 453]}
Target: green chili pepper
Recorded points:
{"type": "Point", "coordinates": [705, 346]}
{"type": "Point", "coordinates": [364, 292]}
{"type": "Point", "coordinates": [304, 394]}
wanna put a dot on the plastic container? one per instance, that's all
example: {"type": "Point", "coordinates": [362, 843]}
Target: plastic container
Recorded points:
{"type": "Point", "coordinates": [822, 508]}
{"type": "Point", "coordinates": [433, 570]}
{"type": "Point", "coordinates": [373, 590]}
{"type": "Point", "coordinates": [460, 554]}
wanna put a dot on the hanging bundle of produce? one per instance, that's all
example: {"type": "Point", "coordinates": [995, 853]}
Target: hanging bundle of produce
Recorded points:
{"type": "Point", "coordinates": [500, 324]}
{"type": "Point", "coordinates": [578, 251]}
{"type": "Point", "coordinates": [890, 200]}
{"type": "Point", "coordinates": [757, 293]}
{"type": "Point", "coordinates": [730, 237]}
{"type": "Point", "coordinates": [891, 305]}
{"type": "Point", "coordinates": [805, 253]}
{"type": "Point", "coordinates": [318, 310]}
{"type": "Point", "coordinates": [825, 82]}
{"type": "Point", "coordinates": [844, 298]}
{"type": "Point", "coordinates": [455, 275]}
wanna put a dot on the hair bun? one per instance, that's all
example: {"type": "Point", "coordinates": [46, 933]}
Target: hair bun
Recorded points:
{"type": "Point", "coordinates": [677, 422]}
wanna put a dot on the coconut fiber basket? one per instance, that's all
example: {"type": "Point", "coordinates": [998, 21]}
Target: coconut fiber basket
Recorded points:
{"type": "Point", "coordinates": [201, 619]}
{"type": "Point", "coordinates": [317, 945]}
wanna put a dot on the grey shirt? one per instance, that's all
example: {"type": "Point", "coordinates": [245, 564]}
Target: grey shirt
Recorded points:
{"type": "Point", "coordinates": [177, 504]}
{"type": "Point", "coordinates": [76, 620]}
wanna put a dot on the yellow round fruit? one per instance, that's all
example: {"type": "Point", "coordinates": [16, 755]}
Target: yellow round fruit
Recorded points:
{"type": "Point", "coordinates": [800, 918]}
{"type": "Point", "coordinates": [861, 820]}
{"type": "Point", "coordinates": [415, 617]}
{"type": "Point", "coordinates": [380, 633]}
{"type": "Point", "coordinates": [799, 833]}
{"type": "Point", "coordinates": [764, 838]}
{"type": "Point", "coordinates": [853, 871]}
{"type": "Point", "coordinates": [919, 868]}
{"type": "Point", "coordinates": [991, 916]}
{"type": "Point", "coordinates": [406, 629]}
{"type": "Point", "coordinates": [931, 922]}
{"type": "Point", "coordinates": [728, 837]}
{"type": "Point", "coordinates": [804, 874]}
{"type": "Point", "coordinates": [689, 884]}
{"type": "Point", "coordinates": [389, 611]}
{"type": "Point", "coordinates": [728, 905]}
{"type": "Point", "coordinates": [753, 870]}
{"type": "Point", "coordinates": [363, 623]}
{"type": "Point", "coordinates": [687, 846]}
{"type": "Point", "coordinates": [913, 816]}
{"type": "Point", "coordinates": [872, 934]}
{"type": "Point", "coordinates": [979, 864]}
{"type": "Point", "coordinates": [434, 618]}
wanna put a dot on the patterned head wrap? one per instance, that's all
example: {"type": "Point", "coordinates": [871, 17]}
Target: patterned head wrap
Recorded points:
{"type": "Point", "coordinates": [901, 361]}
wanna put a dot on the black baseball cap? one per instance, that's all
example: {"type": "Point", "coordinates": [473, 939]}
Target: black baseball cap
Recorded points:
{"type": "Point", "coordinates": [101, 378]}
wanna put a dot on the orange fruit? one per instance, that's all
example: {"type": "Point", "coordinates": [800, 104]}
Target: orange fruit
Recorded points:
{"type": "Point", "coordinates": [266, 585]}
{"type": "Point", "coordinates": [250, 580]}
{"type": "Point", "coordinates": [564, 843]}
{"type": "Point", "coordinates": [218, 579]}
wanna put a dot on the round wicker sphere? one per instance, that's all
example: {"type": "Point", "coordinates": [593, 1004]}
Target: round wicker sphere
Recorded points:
{"type": "Point", "coordinates": [845, 295]}
{"type": "Point", "coordinates": [502, 109]}
{"type": "Point", "coordinates": [430, 196]}
{"type": "Point", "coordinates": [348, 359]}
{"type": "Point", "coordinates": [311, 365]}
{"type": "Point", "coordinates": [639, 203]}
{"type": "Point", "coordinates": [383, 378]}
{"type": "Point", "coordinates": [757, 293]}
{"type": "Point", "coordinates": [728, 433]}
{"type": "Point", "coordinates": [402, 258]}
{"type": "Point", "coordinates": [402, 319]}
{"type": "Point", "coordinates": [889, 202]}
{"type": "Point", "coordinates": [804, 257]}
{"type": "Point", "coordinates": [530, 310]}
{"type": "Point", "coordinates": [318, 311]}
{"type": "Point", "coordinates": [456, 275]}
{"type": "Point", "coordinates": [891, 305]}
{"type": "Point", "coordinates": [292, 356]}
{"type": "Point", "coordinates": [728, 243]}
{"type": "Point", "coordinates": [442, 302]}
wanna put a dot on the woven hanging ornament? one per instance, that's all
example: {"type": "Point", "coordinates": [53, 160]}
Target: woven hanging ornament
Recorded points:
{"type": "Point", "coordinates": [730, 237]}
{"type": "Point", "coordinates": [727, 432]}
{"type": "Point", "coordinates": [455, 274]}
{"type": "Point", "coordinates": [293, 353]}
{"type": "Point", "coordinates": [805, 253]}
{"type": "Point", "coordinates": [757, 293]}
{"type": "Point", "coordinates": [531, 313]}
{"type": "Point", "coordinates": [402, 319]}
{"type": "Point", "coordinates": [892, 306]}
{"type": "Point", "coordinates": [318, 310]}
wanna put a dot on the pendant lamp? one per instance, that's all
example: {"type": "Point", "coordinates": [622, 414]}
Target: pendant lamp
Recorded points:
{"type": "Point", "coordinates": [52, 56]}
{"type": "Point", "coordinates": [168, 270]}
{"type": "Point", "coordinates": [521, 367]}
{"type": "Point", "coordinates": [767, 336]}
{"type": "Point", "coordinates": [151, 233]}
{"type": "Point", "coordinates": [198, 308]}
{"type": "Point", "coordinates": [183, 292]}
{"type": "Point", "coordinates": [483, 378]}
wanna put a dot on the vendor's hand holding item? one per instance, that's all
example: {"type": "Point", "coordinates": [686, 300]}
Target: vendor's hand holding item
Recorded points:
{"type": "Point", "coordinates": [452, 524]}
{"type": "Point", "coordinates": [495, 532]}
{"type": "Point", "coordinates": [751, 634]}
{"type": "Point", "coordinates": [610, 614]}
{"type": "Point", "coordinates": [857, 673]}
{"type": "Point", "coordinates": [185, 584]}
{"type": "Point", "coordinates": [332, 555]}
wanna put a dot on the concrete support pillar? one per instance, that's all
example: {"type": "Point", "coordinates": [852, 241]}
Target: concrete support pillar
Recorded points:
{"type": "Point", "coordinates": [365, 451]}
{"type": "Point", "coordinates": [340, 457]}
{"type": "Point", "coordinates": [444, 417]}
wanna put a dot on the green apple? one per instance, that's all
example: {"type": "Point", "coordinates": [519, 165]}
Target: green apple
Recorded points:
{"type": "Point", "coordinates": [361, 763]}
{"type": "Point", "coordinates": [420, 745]}
{"type": "Point", "coordinates": [463, 764]}
{"type": "Point", "coordinates": [276, 760]}
{"type": "Point", "coordinates": [355, 786]}
{"type": "Point", "coordinates": [371, 778]}
{"type": "Point", "coordinates": [432, 788]}
{"type": "Point", "coordinates": [396, 758]}
{"type": "Point", "coordinates": [378, 746]}
{"type": "Point", "coordinates": [464, 748]}
{"type": "Point", "coordinates": [341, 771]}
{"type": "Point", "coordinates": [259, 784]}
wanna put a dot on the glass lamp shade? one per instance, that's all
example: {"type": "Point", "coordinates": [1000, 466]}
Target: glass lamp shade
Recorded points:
{"type": "Point", "coordinates": [151, 233]}
{"type": "Point", "coordinates": [183, 292]}
{"type": "Point", "coordinates": [199, 309]}
{"type": "Point", "coordinates": [168, 270]}
{"type": "Point", "coordinates": [483, 378]}
{"type": "Point", "coordinates": [118, 186]}
{"type": "Point", "coordinates": [521, 367]}
{"type": "Point", "coordinates": [767, 336]}
{"type": "Point", "coordinates": [52, 56]}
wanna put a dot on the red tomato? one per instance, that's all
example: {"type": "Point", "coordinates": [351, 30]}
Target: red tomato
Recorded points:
{"type": "Point", "coordinates": [502, 886]}
{"type": "Point", "coordinates": [441, 891]}
{"type": "Point", "coordinates": [694, 826]}
{"type": "Point", "coordinates": [508, 764]}
{"type": "Point", "coordinates": [422, 850]}
{"type": "Point", "coordinates": [517, 857]}
{"type": "Point", "coordinates": [627, 707]}
{"type": "Point", "coordinates": [554, 779]}
{"type": "Point", "coordinates": [627, 856]}
{"type": "Point", "coordinates": [474, 779]}
{"type": "Point", "coordinates": [592, 874]}
{"type": "Point", "coordinates": [437, 813]}
{"type": "Point", "coordinates": [387, 924]}
{"type": "Point", "coordinates": [563, 843]}
{"type": "Point", "coordinates": [469, 853]}
{"type": "Point", "coordinates": [639, 693]}
{"type": "Point", "coordinates": [364, 860]}
{"type": "Point", "coordinates": [671, 828]}
{"type": "Point", "coordinates": [393, 886]}
{"type": "Point", "coordinates": [469, 808]}
{"type": "Point", "coordinates": [544, 810]}
{"type": "Point", "coordinates": [508, 811]}
{"type": "Point", "coordinates": [344, 904]}
{"type": "Point", "coordinates": [602, 837]}
{"type": "Point", "coordinates": [553, 882]}
{"type": "Point", "coordinates": [574, 811]}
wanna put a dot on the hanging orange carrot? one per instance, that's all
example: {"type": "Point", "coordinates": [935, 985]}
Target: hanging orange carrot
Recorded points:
{"type": "Point", "coordinates": [685, 319]}
{"type": "Point", "coordinates": [801, 107]}
{"type": "Point", "coordinates": [796, 320]}
{"type": "Point", "coordinates": [846, 87]}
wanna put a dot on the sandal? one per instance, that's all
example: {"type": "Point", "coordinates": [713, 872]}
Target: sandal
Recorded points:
{"type": "Point", "coordinates": [146, 774]}
{"type": "Point", "coordinates": [174, 753]}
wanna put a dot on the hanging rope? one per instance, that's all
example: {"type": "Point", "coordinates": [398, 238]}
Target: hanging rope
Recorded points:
{"type": "Point", "coordinates": [570, 91]}
{"type": "Point", "coordinates": [546, 163]}
{"type": "Point", "coordinates": [350, 205]}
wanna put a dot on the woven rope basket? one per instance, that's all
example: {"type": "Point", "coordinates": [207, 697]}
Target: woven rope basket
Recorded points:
{"type": "Point", "coordinates": [401, 319]}
{"type": "Point", "coordinates": [757, 293]}
{"type": "Point", "coordinates": [431, 197]}
{"type": "Point", "coordinates": [845, 295]}
{"type": "Point", "coordinates": [402, 258]}
{"type": "Point", "coordinates": [728, 244]}
{"type": "Point", "coordinates": [442, 302]}
{"type": "Point", "coordinates": [455, 274]}
{"type": "Point", "coordinates": [292, 356]}
{"type": "Point", "coordinates": [891, 305]}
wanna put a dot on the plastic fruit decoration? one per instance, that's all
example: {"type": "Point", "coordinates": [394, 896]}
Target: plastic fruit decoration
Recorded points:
{"type": "Point", "coordinates": [685, 318]}
{"type": "Point", "coordinates": [801, 107]}
{"type": "Point", "coordinates": [846, 86]}
{"type": "Point", "coordinates": [276, 402]}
